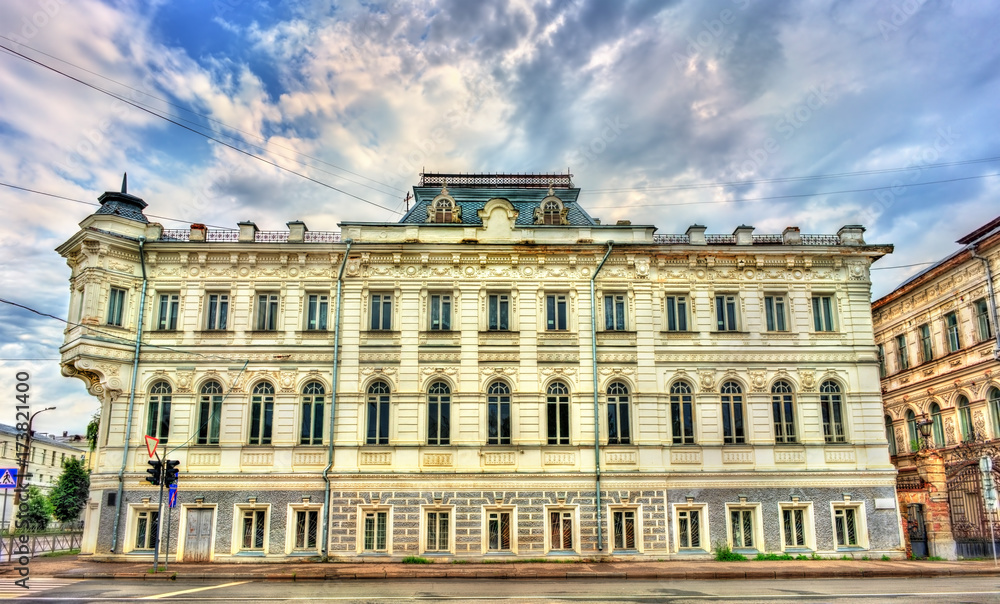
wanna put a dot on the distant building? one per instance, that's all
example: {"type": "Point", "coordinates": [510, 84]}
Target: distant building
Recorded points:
{"type": "Point", "coordinates": [939, 354]}
{"type": "Point", "coordinates": [510, 378]}
{"type": "Point", "coordinates": [45, 459]}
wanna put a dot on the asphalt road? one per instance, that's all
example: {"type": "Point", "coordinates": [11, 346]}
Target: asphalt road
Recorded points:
{"type": "Point", "coordinates": [924, 591]}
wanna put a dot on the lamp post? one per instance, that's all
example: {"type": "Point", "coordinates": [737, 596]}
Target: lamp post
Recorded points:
{"type": "Point", "coordinates": [925, 426]}
{"type": "Point", "coordinates": [23, 460]}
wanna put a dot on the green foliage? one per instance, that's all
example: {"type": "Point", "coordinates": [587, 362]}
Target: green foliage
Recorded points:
{"type": "Point", "coordinates": [885, 558]}
{"type": "Point", "coordinates": [815, 556]}
{"type": "Point", "coordinates": [92, 428]}
{"type": "Point", "coordinates": [724, 554]}
{"type": "Point", "coordinates": [70, 494]}
{"type": "Point", "coordinates": [459, 561]}
{"type": "Point", "coordinates": [934, 558]}
{"type": "Point", "coordinates": [802, 557]}
{"type": "Point", "coordinates": [846, 557]}
{"type": "Point", "coordinates": [36, 510]}
{"type": "Point", "coordinates": [914, 446]}
{"type": "Point", "coordinates": [416, 560]}
{"type": "Point", "coordinates": [68, 552]}
{"type": "Point", "coordinates": [865, 558]}
{"type": "Point", "coordinates": [774, 557]}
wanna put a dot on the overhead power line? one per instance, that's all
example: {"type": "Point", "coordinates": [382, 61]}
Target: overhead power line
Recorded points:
{"type": "Point", "coordinates": [885, 268]}
{"type": "Point", "coordinates": [199, 133]}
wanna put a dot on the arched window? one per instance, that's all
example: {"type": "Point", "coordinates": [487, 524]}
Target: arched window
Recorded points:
{"type": "Point", "coordinates": [733, 431]}
{"type": "Point", "coordinates": [557, 413]}
{"type": "Point", "coordinates": [682, 413]}
{"type": "Point", "coordinates": [937, 425]}
{"type": "Point", "coordinates": [833, 412]}
{"type": "Point", "coordinates": [911, 429]}
{"type": "Point", "coordinates": [439, 414]}
{"type": "Point", "coordinates": [889, 436]}
{"type": "Point", "coordinates": [551, 212]}
{"type": "Point", "coordinates": [618, 415]}
{"type": "Point", "coordinates": [261, 414]}
{"type": "Point", "coordinates": [209, 413]}
{"type": "Point", "coordinates": [378, 414]}
{"type": "Point", "coordinates": [444, 209]}
{"type": "Point", "coordinates": [783, 408]}
{"type": "Point", "coordinates": [993, 398]}
{"type": "Point", "coordinates": [158, 419]}
{"type": "Point", "coordinates": [965, 418]}
{"type": "Point", "coordinates": [498, 412]}
{"type": "Point", "coordinates": [313, 400]}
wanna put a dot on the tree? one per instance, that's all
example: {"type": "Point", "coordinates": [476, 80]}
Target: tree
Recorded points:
{"type": "Point", "coordinates": [92, 428]}
{"type": "Point", "coordinates": [70, 494]}
{"type": "Point", "coordinates": [36, 510]}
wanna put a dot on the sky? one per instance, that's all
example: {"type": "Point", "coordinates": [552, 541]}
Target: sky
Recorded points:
{"type": "Point", "coordinates": [719, 112]}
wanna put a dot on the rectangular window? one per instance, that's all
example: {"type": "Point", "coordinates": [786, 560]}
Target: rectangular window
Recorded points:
{"type": "Point", "coordinates": [689, 529]}
{"type": "Point", "coordinates": [498, 410]}
{"type": "Point", "coordinates": [561, 530]}
{"type": "Point", "coordinates": [926, 350]}
{"type": "Point", "coordinates": [441, 312]}
{"type": "Point", "coordinates": [677, 313]}
{"type": "Point", "coordinates": [439, 420]}
{"type": "Point", "coordinates": [901, 353]}
{"type": "Point", "coordinates": [954, 343]}
{"type": "Point", "coordinates": [169, 304]}
{"type": "Point", "coordinates": [881, 361]}
{"type": "Point", "coordinates": [218, 311]}
{"type": "Point", "coordinates": [983, 321]}
{"type": "Point", "coordinates": [116, 306]}
{"type": "Point", "coordinates": [378, 419]}
{"type": "Point", "coordinates": [845, 520]}
{"type": "Point", "coordinates": [381, 312]}
{"type": "Point", "coordinates": [253, 530]}
{"type": "Point", "coordinates": [498, 528]}
{"type": "Point", "coordinates": [725, 313]}
{"type": "Point", "coordinates": [261, 419]}
{"type": "Point", "coordinates": [555, 312]}
{"type": "Point", "coordinates": [741, 524]}
{"type": "Point", "coordinates": [557, 409]}
{"type": "Point", "coordinates": [267, 312]}
{"type": "Point", "coordinates": [312, 420]}
{"type": "Point", "coordinates": [823, 313]}
{"type": "Point", "coordinates": [438, 527]}
{"type": "Point", "coordinates": [376, 531]}
{"type": "Point", "coordinates": [618, 421]}
{"type": "Point", "coordinates": [624, 527]}
{"type": "Point", "coordinates": [317, 309]}
{"type": "Point", "coordinates": [774, 310]}
{"type": "Point", "coordinates": [499, 315]}
{"type": "Point", "coordinates": [306, 525]}
{"type": "Point", "coordinates": [146, 529]}
{"type": "Point", "coordinates": [793, 523]}
{"type": "Point", "coordinates": [614, 312]}
{"type": "Point", "coordinates": [209, 419]}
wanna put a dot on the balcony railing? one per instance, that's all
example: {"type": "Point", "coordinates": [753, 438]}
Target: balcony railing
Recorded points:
{"type": "Point", "coordinates": [230, 236]}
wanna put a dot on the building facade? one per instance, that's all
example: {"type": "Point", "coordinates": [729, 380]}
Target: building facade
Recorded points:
{"type": "Point", "coordinates": [939, 356]}
{"type": "Point", "coordinates": [45, 458]}
{"type": "Point", "coordinates": [503, 376]}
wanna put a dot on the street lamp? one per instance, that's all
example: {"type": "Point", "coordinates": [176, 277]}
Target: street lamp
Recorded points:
{"type": "Point", "coordinates": [925, 426]}
{"type": "Point", "coordinates": [23, 460]}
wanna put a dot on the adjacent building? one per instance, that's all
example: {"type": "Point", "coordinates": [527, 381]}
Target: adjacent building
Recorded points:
{"type": "Point", "coordinates": [939, 353]}
{"type": "Point", "coordinates": [495, 375]}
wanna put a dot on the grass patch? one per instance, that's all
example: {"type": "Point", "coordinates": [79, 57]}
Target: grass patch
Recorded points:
{"type": "Point", "coordinates": [69, 552]}
{"type": "Point", "coordinates": [416, 560]}
{"type": "Point", "coordinates": [459, 561]}
{"type": "Point", "coordinates": [724, 554]}
{"type": "Point", "coordinates": [885, 558]}
{"type": "Point", "coordinates": [934, 558]}
{"type": "Point", "coordinates": [774, 557]}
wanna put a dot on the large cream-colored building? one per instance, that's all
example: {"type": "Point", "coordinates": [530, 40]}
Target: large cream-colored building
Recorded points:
{"type": "Point", "coordinates": [734, 398]}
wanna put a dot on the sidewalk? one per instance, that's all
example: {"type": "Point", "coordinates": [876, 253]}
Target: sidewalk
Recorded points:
{"type": "Point", "coordinates": [75, 567]}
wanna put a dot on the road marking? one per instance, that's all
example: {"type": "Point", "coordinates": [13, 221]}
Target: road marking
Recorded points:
{"type": "Point", "coordinates": [189, 591]}
{"type": "Point", "coordinates": [9, 591]}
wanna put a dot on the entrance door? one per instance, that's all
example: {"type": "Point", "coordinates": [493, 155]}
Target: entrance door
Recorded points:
{"type": "Point", "coordinates": [198, 541]}
{"type": "Point", "coordinates": [917, 530]}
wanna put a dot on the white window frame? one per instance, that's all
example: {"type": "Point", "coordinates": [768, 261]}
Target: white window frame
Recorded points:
{"type": "Point", "coordinates": [444, 303]}
{"type": "Point", "coordinates": [808, 525]}
{"type": "Point", "coordinates": [981, 310]}
{"type": "Point", "coordinates": [116, 314]}
{"type": "Point", "coordinates": [729, 323]}
{"type": "Point", "coordinates": [757, 524]}
{"type": "Point", "coordinates": [776, 312]}
{"type": "Point", "coordinates": [291, 531]}
{"type": "Point", "coordinates": [223, 299]}
{"type": "Point", "coordinates": [237, 542]}
{"type": "Point", "coordinates": [502, 298]}
{"type": "Point", "coordinates": [902, 352]}
{"type": "Point", "coordinates": [320, 303]}
{"type": "Point", "coordinates": [557, 297]}
{"type": "Point", "coordinates": [425, 511]}
{"type": "Point", "coordinates": [267, 318]}
{"type": "Point", "coordinates": [617, 299]}
{"type": "Point", "coordinates": [861, 526]}
{"type": "Point", "coordinates": [383, 297]}
{"type": "Point", "coordinates": [678, 304]}
{"type": "Point", "coordinates": [502, 509]}
{"type": "Point", "coordinates": [574, 512]}
{"type": "Point", "coordinates": [953, 333]}
{"type": "Point", "coordinates": [134, 510]}
{"type": "Point", "coordinates": [168, 311]}
{"type": "Point", "coordinates": [824, 318]}
{"type": "Point", "coordinates": [637, 532]}
{"type": "Point", "coordinates": [363, 512]}
{"type": "Point", "coordinates": [704, 537]}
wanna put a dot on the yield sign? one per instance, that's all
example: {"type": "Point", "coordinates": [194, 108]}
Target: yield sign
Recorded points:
{"type": "Point", "coordinates": [151, 442]}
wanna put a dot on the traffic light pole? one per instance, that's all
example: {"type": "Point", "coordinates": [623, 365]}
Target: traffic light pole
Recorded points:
{"type": "Point", "coordinates": [166, 551]}
{"type": "Point", "coordinates": [159, 521]}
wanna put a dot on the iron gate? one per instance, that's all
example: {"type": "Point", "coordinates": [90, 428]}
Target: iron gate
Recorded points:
{"type": "Point", "coordinates": [970, 522]}
{"type": "Point", "coordinates": [917, 530]}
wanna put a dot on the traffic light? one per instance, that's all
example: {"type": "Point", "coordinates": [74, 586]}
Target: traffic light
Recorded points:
{"type": "Point", "coordinates": [155, 471]}
{"type": "Point", "coordinates": [170, 471]}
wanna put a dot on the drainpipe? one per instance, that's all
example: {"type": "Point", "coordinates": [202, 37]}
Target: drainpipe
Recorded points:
{"type": "Point", "coordinates": [131, 396]}
{"type": "Point", "coordinates": [333, 401]}
{"type": "Point", "coordinates": [993, 301]}
{"type": "Point", "coordinates": [597, 416]}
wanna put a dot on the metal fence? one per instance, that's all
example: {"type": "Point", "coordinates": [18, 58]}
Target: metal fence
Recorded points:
{"type": "Point", "coordinates": [12, 547]}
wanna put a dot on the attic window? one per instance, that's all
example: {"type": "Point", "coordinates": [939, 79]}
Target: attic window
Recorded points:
{"type": "Point", "coordinates": [443, 209]}
{"type": "Point", "coordinates": [551, 211]}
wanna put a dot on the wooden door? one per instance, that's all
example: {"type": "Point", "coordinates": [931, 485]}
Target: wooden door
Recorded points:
{"type": "Point", "coordinates": [198, 541]}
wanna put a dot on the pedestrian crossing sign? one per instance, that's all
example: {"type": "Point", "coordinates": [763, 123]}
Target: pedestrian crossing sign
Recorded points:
{"type": "Point", "coordinates": [8, 478]}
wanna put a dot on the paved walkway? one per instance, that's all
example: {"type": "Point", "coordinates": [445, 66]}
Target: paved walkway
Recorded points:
{"type": "Point", "coordinates": [81, 567]}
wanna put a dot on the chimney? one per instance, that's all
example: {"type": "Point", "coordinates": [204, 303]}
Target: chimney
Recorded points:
{"type": "Point", "coordinates": [198, 232]}
{"type": "Point", "coordinates": [851, 234]}
{"type": "Point", "coordinates": [296, 231]}
{"type": "Point", "coordinates": [744, 235]}
{"type": "Point", "coordinates": [696, 234]}
{"type": "Point", "coordinates": [248, 231]}
{"type": "Point", "coordinates": [791, 236]}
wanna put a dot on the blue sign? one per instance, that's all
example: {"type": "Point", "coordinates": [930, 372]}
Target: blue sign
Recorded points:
{"type": "Point", "coordinates": [8, 478]}
{"type": "Point", "coordinates": [172, 496]}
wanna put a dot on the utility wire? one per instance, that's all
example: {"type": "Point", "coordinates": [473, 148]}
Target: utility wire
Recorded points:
{"type": "Point", "coordinates": [886, 268]}
{"type": "Point", "coordinates": [792, 196]}
{"type": "Point", "coordinates": [188, 128]}
{"type": "Point", "coordinates": [234, 128]}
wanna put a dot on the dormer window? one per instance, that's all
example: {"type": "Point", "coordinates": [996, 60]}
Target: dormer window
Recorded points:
{"type": "Point", "coordinates": [551, 211]}
{"type": "Point", "coordinates": [443, 210]}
